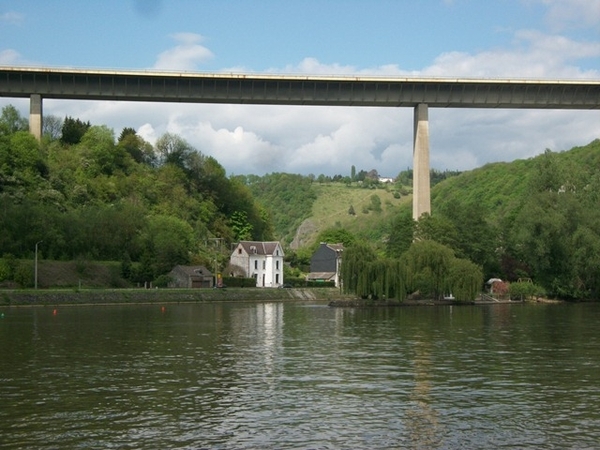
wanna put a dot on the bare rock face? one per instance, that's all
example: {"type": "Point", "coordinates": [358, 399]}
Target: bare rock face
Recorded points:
{"type": "Point", "coordinates": [303, 234]}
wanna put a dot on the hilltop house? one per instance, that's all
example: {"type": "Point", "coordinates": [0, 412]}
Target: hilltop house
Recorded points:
{"type": "Point", "coordinates": [262, 261]}
{"type": "Point", "coordinates": [191, 277]}
{"type": "Point", "coordinates": [326, 262]}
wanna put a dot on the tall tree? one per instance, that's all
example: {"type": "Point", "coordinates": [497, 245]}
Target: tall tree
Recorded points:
{"type": "Point", "coordinates": [400, 235]}
{"type": "Point", "coordinates": [11, 121]}
{"type": "Point", "coordinates": [52, 127]}
{"type": "Point", "coordinates": [73, 130]}
{"type": "Point", "coordinates": [428, 266]}
{"type": "Point", "coordinates": [140, 150]}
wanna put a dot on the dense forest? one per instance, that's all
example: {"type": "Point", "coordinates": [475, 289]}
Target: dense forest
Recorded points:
{"type": "Point", "coordinates": [85, 193]}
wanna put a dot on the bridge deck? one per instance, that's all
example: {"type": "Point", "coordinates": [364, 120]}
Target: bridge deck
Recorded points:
{"type": "Point", "coordinates": [298, 90]}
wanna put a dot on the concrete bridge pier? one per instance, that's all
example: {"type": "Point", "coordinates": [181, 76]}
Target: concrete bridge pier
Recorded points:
{"type": "Point", "coordinates": [421, 182]}
{"type": "Point", "coordinates": [35, 115]}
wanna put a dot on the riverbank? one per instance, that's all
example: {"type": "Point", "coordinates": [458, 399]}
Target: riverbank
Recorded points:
{"type": "Point", "coordinates": [334, 298]}
{"type": "Point", "coordinates": [361, 303]}
{"type": "Point", "coordinates": [56, 297]}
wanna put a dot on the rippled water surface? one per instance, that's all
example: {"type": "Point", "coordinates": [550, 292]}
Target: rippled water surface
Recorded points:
{"type": "Point", "coordinates": [300, 376]}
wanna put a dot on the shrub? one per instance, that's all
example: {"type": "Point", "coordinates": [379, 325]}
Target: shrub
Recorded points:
{"type": "Point", "coordinates": [24, 274]}
{"type": "Point", "coordinates": [239, 282]}
{"type": "Point", "coordinates": [524, 290]}
{"type": "Point", "coordinates": [162, 281]}
{"type": "Point", "coordinates": [4, 270]}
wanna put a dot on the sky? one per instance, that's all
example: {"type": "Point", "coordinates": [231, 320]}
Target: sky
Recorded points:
{"type": "Point", "coordinates": [547, 39]}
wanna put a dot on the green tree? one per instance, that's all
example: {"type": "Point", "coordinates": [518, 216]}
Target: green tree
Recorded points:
{"type": "Point", "coordinates": [586, 261]}
{"type": "Point", "coordinates": [173, 149]}
{"type": "Point", "coordinates": [465, 280]}
{"type": "Point", "coordinates": [436, 228]}
{"type": "Point", "coordinates": [168, 241]}
{"type": "Point", "coordinates": [11, 121]}
{"type": "Point", "coordinates": [541, 238]}
{"type": "Point", "coordinates": [24, 274]}
{"type": "Point", "coordinates": [242, 229]}
{"type": "Point", "coordinates": [139, 150]}
{"type": "Point", "coordinates": [400, 235]}
{"type": "Point", "coordinates": [355, 272]}
{"type": "Point", "coordinates": [471, 235]}
{"type": "Point", "coordinates": [335, 235]}
{"type": "Point", "coordinates": [375, 205]}
{"type": "Point", "coordinates": [73, 130]}
{"type": "Point", "coordinates": [428, 266]}
{"type": "Point", "coordinates": [524, 290]}
{"type": "Point", "coordinates": [102, 156]}
{"type": "Point", "coordinates": [5, 272]}
{"type": "Point", "coordinates": [22, 164]}
{"type": "Point", "coordinates": [52, 127]}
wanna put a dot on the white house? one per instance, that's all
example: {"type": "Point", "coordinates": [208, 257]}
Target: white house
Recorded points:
{"type": "Point", "coordinates": [262, 261]}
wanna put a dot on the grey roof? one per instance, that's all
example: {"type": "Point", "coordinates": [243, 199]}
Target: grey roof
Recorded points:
{"type": "Point", "coordinates": [336, 247]}
{"type": "Point", "coordinates": [259, 247]}
{"type": "Point", "coordinates": [193, 271]}
{"type": "Point", "coordinates": [321, 276]}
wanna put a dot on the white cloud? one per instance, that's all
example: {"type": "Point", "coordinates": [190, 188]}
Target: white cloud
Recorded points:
{"type": "Point", "coordinates": [564, 14]}
{"type": "Point", "coordinates": [187, 55]}
{"type": "Point", "coordinates": [302, 139]}
{"type": "Point", "coordinates": [148, 133]}
{"type": "Point", "coordinates": [11, 57]}
{"type": "Point", "coordinates": [312, 66]}
{"type": "Point", "coordinates": [532, 55]}
{"type": "Point", "coordinates": [12, 17]}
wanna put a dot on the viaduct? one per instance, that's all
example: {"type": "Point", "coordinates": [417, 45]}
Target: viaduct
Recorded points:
{"type": "Point", "coordinates": [417, 93]}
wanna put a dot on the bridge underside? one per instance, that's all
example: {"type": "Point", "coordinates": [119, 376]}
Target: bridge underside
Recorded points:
{"type": "Point", "coordinates": [417, 93]}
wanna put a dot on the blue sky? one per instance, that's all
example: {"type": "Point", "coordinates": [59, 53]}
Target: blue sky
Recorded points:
{"type": "Point", "coordinates": [558, 39]}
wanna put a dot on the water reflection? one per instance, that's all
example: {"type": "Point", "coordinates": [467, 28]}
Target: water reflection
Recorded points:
{"type": "Point", "coordinates": [421, 418]}
{"type": "Point", "coordinates": [278, 375]}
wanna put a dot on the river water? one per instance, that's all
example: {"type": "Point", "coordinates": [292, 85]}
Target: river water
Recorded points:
{"type": "Point", "coordinates": [300, 376]}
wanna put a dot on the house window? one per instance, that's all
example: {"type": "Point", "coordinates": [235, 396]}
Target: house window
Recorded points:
{"type": "Point", "coordinates": [256, 264]}
{"type": "Point", "coordinates": [239, 251]}
{"type": "Point", "coordinates": [277, 278]}
{"type": "Point", "coordinates": [264, 265]}
{"type": "Point", "coordinates": [277, 265]}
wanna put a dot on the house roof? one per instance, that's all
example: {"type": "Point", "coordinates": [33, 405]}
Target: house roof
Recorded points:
{"type": "Point", "coordinates": [321, 276]}
{"type": "Point", "coordinates": [259, 247]}
{"type": "Point", "coordinates": [338, 248]}
{"type": "Point", "coordinates": [193, 271]}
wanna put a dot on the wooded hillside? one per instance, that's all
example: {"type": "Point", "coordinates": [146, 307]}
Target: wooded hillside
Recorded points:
{"type": "Point", "coordinates": [85, 194]}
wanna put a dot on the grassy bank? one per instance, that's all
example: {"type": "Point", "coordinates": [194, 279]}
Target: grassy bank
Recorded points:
{"type": "Point", "coordinates": [132, 296]}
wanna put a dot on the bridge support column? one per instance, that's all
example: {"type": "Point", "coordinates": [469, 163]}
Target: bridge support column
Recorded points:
{"type": "Point", "coordinates": [35, 115]}
{"type": "Point", "coordinates": [421, 183]}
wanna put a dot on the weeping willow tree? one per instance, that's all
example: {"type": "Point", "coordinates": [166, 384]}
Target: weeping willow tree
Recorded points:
{"type": "Point", "coordinates": [367, 276]}
{"type": "Point", "coordinates": [428, 267]}
{"type": "Point", "coordinates": [395, 279]}
{"type": "Point", "coordinates": [464, 280]}
{"type": "Point", "coordinates": [355, 262]}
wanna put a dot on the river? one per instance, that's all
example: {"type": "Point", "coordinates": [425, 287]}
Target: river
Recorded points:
{"type": "Point", "coordinates": [300, 376]}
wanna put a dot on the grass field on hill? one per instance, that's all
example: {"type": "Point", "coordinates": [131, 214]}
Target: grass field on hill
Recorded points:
{"type": "Point", "coordinates": [332, 205]}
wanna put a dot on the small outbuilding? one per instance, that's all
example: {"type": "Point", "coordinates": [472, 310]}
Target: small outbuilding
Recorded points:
{"type": "Point", "coordinates": [326, 262]}
{"type": "Point", "coordinates": [191, 277]}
